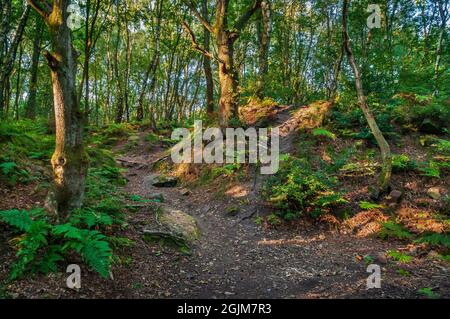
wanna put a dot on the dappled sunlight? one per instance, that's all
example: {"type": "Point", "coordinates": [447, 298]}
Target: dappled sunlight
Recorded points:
{"type": "Point", "coordinates": [237, 191]}
{"type": "Point", "coordinates": [296, 241]}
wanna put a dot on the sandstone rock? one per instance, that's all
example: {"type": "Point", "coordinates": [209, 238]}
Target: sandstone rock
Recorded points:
{"type": "Point", "coordinates": [434, 193]}
{"type": "Point", "coordinates": [181, 224]}
{"type": "Point", "coordinates": [160, 181]}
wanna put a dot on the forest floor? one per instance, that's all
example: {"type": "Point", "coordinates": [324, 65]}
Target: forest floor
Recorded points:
{"type": "Point", "coordinates": [235, 257]}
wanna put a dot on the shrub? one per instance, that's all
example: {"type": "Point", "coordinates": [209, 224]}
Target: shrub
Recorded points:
{"type": "Point", "coordinates": [424, 113]}
{"type": "Point", "coordinates": [297, 188]}
{"type": "Point", "coordinates": [42, 244]}
{"type": "Point", "coordinates": [354, 124]}
{"type": "Point", "coordinates": [400, 257]}
{"type": "Point", "coordinates": [402, 163]}
{"type": "Point", "coordinates": [393, 230]}
{"type": "Point", "coordinates": [321, 132]}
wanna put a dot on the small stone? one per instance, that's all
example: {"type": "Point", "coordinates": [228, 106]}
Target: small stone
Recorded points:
{"type": "Point", "coordinates": [185, 192]}
{"type": "Point", "coordinates": [434, 193]}
{"type": "Point", "coordinates": [395, 196]}
{"type": "Point", "coordinates": [156, 196]}
{"type": "Point", "coordinates": [381, 258]}
{"type": "Point", "coordinates": [160, 181]}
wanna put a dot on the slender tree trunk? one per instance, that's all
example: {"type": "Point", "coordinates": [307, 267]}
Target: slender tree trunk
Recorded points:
{"type": "Point", "coordinates": [7, 63]}
{"type": "Point", "coordinates": [443, 15]}
{"type": "Point", "coordinates": [69, 160]}
{"type": "Point", "coordinates": [30, 111]}
{"type": "Point", "coordinates": [386, 171]}
{"type": "Point", "coordinates": [207, 63]}
{"type": "Point", "coordinates": [152, 67]}
{"type": "Point", "coordinates": [19, 73]}
{"type": "Point", "coordinates": [119, 94]}
{"type": "Point", "coordinates": [264, 29]}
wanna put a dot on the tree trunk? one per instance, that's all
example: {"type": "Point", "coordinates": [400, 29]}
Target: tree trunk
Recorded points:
{"type": "Point", "coordinates": [69, 161]}
{"type": "Point", "coordinates": [152, 67]}
{"type": "Point", "coordinates": [386, 171]}
{"type": "Point", "coordinates": [443, 16]}
{"type": "Point", "coordinates": [225, 38]}
{"type": "Point", "coordinates": [18, 80]}
{"type": "Point", "coordinates": [207, 63]}
{"type": "Point", "coordinates": [264, 26]}
{"type": "Point", "coordinates": [30, 111]}
{"type": "Point", "coordinates": [7, 63]}
{"type": "Point", "coordinates": [229, 95]}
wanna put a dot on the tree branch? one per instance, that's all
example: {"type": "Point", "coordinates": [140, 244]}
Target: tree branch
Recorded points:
{"type": "Point", "coordinates": [242, 22]}
{"type": "Point", "coordinates": [199, 16]}
{"type": "Point", "coordinates": [195, 45]}
{"type": "Point", "coordinates": [41, 7]}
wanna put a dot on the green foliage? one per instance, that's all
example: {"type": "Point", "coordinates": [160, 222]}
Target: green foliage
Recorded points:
{"type": "Point", "coordinates": [42, 244]}
{"type": "Point", "coordinates": [400, 257]}
{"type": "Point", "coordinates": [297, 188]}
{"type": "Point", "coordinates": [368, 259]}
{"type": "Point", "coordinates": [428, 292]}
{"type": "Point", "coordinates": [225, 170]}
{"type": "Point", "coordinates": [369, 206]}
{"type": "Point", "coordinates": [424, 113]}
{"type": "Point", "coordinates": [21, 143]}
{"type": "Point", "coordinates": [435, 239]}
{"type": "Point", "coordinates": [353, 124]}
{"type": "Point", "coordinates": [402, 163]}
{"type": "Point", "coordinates": [152, 138]}
{"type": "Point", "coordinates": [273, 220]}
{"type": "Point", "coordinates": [19, 219]}
{"type": "Point", "coordinates": [321, 132]}
{"type": "Point", "coordinates": [441, 146]}
{"type": "Point", "coordinates": [393, 230]}
{"type": "Point", "coordinates": [91, 245]}
{"type": "Point", "coordinates": [430, 169]}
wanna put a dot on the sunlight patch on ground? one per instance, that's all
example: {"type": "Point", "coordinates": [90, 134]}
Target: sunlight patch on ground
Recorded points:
{"type": "Point", "coordinates": [290, 241]}
{"type": "Point", "coordinates": [237, 191]}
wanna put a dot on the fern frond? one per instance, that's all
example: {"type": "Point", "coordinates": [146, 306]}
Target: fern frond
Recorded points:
{"type": "Point", "coordinates": [17, 218]}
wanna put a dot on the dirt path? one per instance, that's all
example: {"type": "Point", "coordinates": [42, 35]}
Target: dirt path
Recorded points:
{"type": "Point", "coordinates": [236, 258]}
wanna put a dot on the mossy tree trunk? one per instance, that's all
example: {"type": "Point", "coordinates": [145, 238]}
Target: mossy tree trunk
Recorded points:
{"type": "Point", "coordinates": [69, 160]}
{"type": "Point", "coordinates": [225, 38]}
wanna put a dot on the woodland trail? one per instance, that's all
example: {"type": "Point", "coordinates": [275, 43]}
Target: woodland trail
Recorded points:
{"type": "Point", "coordinates": [236, 258]}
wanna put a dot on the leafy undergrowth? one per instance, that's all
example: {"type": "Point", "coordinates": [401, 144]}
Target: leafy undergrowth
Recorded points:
{"type": "Point", "coordinates": [307, 185]}
{"type": "Point", "coordinates": [331, 175]}
{"type": "Point", "coordinates": [90, 232]}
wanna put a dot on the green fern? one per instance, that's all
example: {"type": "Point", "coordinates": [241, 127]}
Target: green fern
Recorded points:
{"type": "Point", "coordinates": [435, 239]}
{"type": "Point", "coordinates": [34, 240]}
{"type": "Point", "coordinates": [400, 257]}
{"type": "Point", "coordinates": [8, 167]}
{"type": "Point", "coordinates": [369, 206]}
{"type": "Point", "coordinates": [321, 132]}
{"type": "Point", "coordinates": [91, 245]}
{"type": "Point", "coordinates": [17, 218]}
{"type": "Point", "coordinates": [392, 230]}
